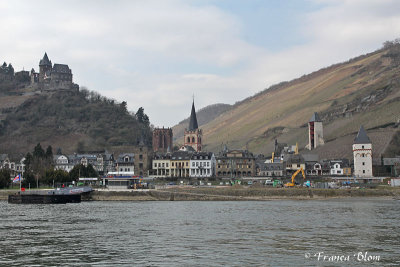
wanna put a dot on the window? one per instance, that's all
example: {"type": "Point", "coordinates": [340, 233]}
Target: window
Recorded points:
{"type": "Point", "coordinates": [155, 165]}
{"type": "Point", "coordinates": [193, 164]}
{"type": "Point", "coordinates": [167, 164]}
{"type": "Point", "coordinates": [298, 165]}
{"type": "Point", "coordinates": [163, 164]}
{"type": "Point", "coordinates": [187, 164]}
{"type": "Point", "coordinates": [140, 156]}
{"type": "Point", "coordinates": [140, 165]}
{"type": "Point", "coordinates": [363, 171]}
{"type": "Point", "coordinates": [188, 139]}
{"type": "Point", "coordinates": [362, 147]}
{"type": "Point", "coordinates": [363, 163]}
{"type": "Point", "coordinates": [193, 140]}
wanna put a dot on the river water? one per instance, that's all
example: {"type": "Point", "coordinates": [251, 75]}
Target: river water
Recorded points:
{"type": "Point", "coordinates": [268, 233]}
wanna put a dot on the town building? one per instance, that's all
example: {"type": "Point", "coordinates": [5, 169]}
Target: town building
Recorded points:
{"type": "Point", "coordinates": [125, 163]}
{"type": "Point", "coordinates": [193, 135]}
{"type": "Point", "coordinates": [340, 167]}
{"type": "Point", "coordinates": [180, 163]}
{"type": "Point", "coordinates": [315, 132]}
{"type": "Point", "coordinates": [362, 152]}
{"type": "Point", "coordinates": [62, 162]}
{"type": "Point", "coordinates": [161, 165]}
{"type": "Point", "coordinates": [275, 169]}
{"type": "Point", "coordinates": [202, 164]}
{"type": "Point", "coordinates": [235, 163]}
{"type": "Point", "coordinates": [294, 162]}
{"type": "Point", "coordinates": [393, 164]}
{"type": "Point", "coordinates": [162, 140]}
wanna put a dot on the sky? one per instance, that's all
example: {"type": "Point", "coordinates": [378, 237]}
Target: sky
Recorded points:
{"type": "Point", "coordinates": [158, 54]}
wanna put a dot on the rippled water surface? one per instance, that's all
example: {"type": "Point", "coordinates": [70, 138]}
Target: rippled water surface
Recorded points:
{"type": "Point", "coordinates": [271, 233]}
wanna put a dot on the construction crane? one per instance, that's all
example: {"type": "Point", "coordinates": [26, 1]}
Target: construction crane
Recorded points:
{"type": "Point", "coordinates": [294, 176]}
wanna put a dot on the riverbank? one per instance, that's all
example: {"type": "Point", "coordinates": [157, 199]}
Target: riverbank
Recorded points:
{"type": "Point", "coordinates": [231, 194]}
{"type": "Point", "coordinates": [240, 194]}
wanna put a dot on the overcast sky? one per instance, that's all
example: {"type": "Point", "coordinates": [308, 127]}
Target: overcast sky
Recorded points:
{"type": "Point", "coordinates": [157, 54]}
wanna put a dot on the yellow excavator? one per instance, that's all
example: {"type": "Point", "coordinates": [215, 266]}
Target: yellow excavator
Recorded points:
{"type": "Point", "coordinates": [294, 176]}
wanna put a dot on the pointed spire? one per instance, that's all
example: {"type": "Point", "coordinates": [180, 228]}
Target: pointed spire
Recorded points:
{"type": "Point", "coordinates": [362, 137]}
{"type": "Point", "coordinates": [45, 61]}
{"type": "Point", "coordinates": [315, 118]}
{"type": "Point", "coordinates": [193, 119]}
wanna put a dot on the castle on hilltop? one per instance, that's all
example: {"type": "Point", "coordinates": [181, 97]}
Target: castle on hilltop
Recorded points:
{"type": "Point", "coordinates": [52, 77]}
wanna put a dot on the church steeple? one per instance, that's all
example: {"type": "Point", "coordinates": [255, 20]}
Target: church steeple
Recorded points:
{"type": "Point", "coordinates": [193, 135]}
{"type": "Point", "coordinates": [193, 119]}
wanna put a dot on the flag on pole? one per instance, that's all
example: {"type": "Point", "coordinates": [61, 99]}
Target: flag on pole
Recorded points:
{"type": "Point", "coordinates": [17, 178]}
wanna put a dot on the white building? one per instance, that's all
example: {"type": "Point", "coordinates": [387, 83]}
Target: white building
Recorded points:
{"type": "Point", "coordinates": [126, 163]}
{"type": "Point", "coordinates": [202, 164]}
{"type": "Point", "coordinates": [62, 162]}
{"type": "Point", "coordinates": [340, 167]}
{"type": "Point", "coordinates": [362, 152]}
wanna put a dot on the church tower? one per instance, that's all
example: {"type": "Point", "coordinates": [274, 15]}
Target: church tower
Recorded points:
{"type": "Point", "coordinates": [44, 67]}
{"type": "Point", "coordinates": [315, 132]}
{"type": "Point", "coordinates": [193, 134]}
{"type": "Point", "coordinates": [362, 152]}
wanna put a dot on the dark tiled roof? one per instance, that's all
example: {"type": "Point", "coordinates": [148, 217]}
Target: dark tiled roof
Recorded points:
{"type": "Point", "coordinates": [121, 158]}
{"type": "Point", "coordinates": [181, 155]}
{"type": "Point", "coordinates": [61, 68]}
{"type": "Point", "coordinates": [201, 155]}
{"type": "Point", "coordinates": [45, 61]}
{"type": "Point", "coordinates": [315, 117]}
{"type": "Point", "coordinates": [362, 137]}
{"type": "Point", "coordinates": [193, 120]}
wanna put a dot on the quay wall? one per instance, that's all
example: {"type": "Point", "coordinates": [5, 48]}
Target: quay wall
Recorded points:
{"type": "Point", "coordinates": [230, 194]}
{"type": "Point", "coordinates": [243, 194]}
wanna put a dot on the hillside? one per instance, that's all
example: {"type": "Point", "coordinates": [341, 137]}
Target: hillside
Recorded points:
{"type": "Point", "coordinates": [204, 116]}
{"type": "Point", "coordinates": [363, 91]}
{"type": "Point", "coordinates": [71, 121]}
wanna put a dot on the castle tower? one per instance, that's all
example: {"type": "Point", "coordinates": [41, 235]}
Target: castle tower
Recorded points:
{"type": "Point", "coordinates": [162, 140]}
{"type": "Point", "coordinates": [193, 134]}
{"type": "Point", "coordinates": [315, 132]}
{"type": "Point", "coordinates": [45, 66]}
{"type": "Point", "coordinates": [362, 152]}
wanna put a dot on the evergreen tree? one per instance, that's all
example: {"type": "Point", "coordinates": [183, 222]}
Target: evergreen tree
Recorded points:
{"type": "Point", "coordinates": [5, 179]}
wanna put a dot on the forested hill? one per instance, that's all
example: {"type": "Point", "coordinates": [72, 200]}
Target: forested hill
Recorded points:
{"type": "Point", "coordinates": [72, 121]}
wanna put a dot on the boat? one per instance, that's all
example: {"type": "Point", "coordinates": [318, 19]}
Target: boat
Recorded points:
{"type": "Point", "coordinates": [55, 196]}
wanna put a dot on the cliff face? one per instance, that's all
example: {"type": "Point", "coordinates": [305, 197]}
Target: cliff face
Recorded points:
{"type": "Point", "coordinates": [363, 91]}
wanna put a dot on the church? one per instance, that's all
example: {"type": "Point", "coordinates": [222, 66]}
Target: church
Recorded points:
{"type": "Point", "coordinates": [193, 135]}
